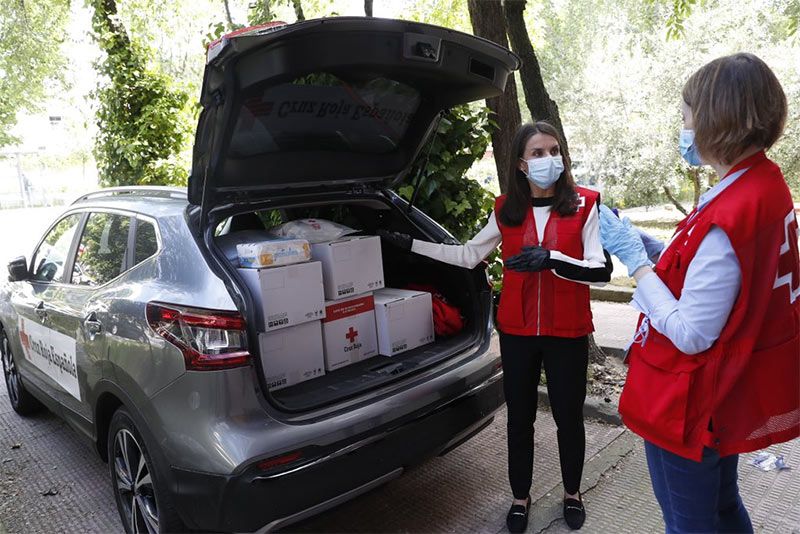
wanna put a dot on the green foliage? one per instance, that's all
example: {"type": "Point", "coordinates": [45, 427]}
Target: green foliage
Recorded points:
{"type": "Point", "coordinates": [618, 82]}
{"type": "Point", "coordinates": [458, 203]}
{"type": "Point", "coordinates": [461, 205]}
{"type": "Point", "coordinates": [681, 10]}
{"type": "Point", "coordinates": [31, 34]}
{"type": "Point", "coordinates": [139, 115]}
{"type": "Point", "coordinates": [792, 13]}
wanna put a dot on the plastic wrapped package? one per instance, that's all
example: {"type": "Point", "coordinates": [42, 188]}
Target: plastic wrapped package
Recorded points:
{"type": "Point", "coordinates": [312, 230]}
{"type": "Point", "coordinates": [273, 253]}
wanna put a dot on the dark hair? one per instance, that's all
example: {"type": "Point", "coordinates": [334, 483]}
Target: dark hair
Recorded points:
{"type": "Point", "coordinates": [736, 102]}
{"type": "Point", "coordinates": [518, 192]}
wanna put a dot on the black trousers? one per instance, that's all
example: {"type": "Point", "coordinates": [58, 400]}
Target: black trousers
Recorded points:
{"type": "Point", "coordinates": [565, 363]}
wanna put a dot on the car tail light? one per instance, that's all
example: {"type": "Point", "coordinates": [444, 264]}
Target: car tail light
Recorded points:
{"type": "Point", "coordinates": [209, 339]}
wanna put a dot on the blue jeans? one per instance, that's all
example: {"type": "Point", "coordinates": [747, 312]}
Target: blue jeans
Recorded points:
{"type": "Point", "coordinates": [697, 496]}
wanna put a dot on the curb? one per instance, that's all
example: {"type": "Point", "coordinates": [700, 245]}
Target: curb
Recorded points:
{"type": "Point", "coordinates": [611, 294]}
{"type": "Point", "coordinates": [593, 407]}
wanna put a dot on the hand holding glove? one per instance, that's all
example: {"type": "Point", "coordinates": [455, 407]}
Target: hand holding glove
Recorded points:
{"type": "Point", "coordinates": [530, 260]}
{"type": "Point", "coordinates": [622, 240]}
{"type": "Point", "coordinates": [652, 245]}
{"type": "Point", "coordinates": [396, 239]}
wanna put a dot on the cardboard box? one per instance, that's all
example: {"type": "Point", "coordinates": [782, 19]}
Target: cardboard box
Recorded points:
{"type": "Point", "coordinates": [404, 320]}
{"type": "Point", "coordinates": [292, 355]}
{"type": "Point", "coordinates": [348, 331]}
{"type": "Point", "coordinates": [290, 295]}
{"type": "Point", "coordinates": [273, 253]}
{"type": "Point", "coordinates": [350, 266]}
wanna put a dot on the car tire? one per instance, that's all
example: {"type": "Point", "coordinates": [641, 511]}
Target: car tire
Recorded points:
{"type": "Point", "coordinates": [143, 502]}
{"type": "Point", "coordinates": [21, 399]}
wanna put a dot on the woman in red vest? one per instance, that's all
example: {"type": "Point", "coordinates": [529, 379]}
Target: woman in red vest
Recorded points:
{"type": "Point", "coordinates": [715, 364]}
{"type": "Point", "coordinates": [549, 233]}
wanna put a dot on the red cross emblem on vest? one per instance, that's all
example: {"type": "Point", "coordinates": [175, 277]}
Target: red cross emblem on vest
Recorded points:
{"type": "Point", "coordinates": [788, 268]}
{"type": "Point", "coordinates": [351, 335]}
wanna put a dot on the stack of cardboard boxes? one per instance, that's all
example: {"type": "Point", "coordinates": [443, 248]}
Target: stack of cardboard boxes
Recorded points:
{"type": "Point", "coordinates": [332, 311]}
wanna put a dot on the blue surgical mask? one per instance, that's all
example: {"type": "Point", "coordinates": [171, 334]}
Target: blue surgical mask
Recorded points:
{"type": "Point", "coordinates": [544, 172]}
{"type": "Point", "coordinates": [688, 148]}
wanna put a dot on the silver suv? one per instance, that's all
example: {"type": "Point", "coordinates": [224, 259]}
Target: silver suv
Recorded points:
{"type": "Point", "coordinates": [132, 323]}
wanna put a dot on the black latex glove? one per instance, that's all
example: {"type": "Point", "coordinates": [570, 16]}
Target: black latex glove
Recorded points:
{"type": "Point", "coordinates": [530, 260]}
{"type": "Point", "coordinates": [396, 239]}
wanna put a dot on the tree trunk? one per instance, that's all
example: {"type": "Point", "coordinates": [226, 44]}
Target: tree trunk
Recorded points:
{"type": "Point", "coordinates": [368, 7]}
{"type": "Point", "coordinates": [106, 13]}
{"type": "Point", "coordinates": [596, 354]}
{"type": "Point", "coordinates": [694, 174]}
{"type": "Point", "coordinates": [228, 14]}
{"type": "Point", "coordinates": [674, 200]}
{"type": "Point", "coordinates": [298, 10]}
{"type": "Point", "coordinates": [536, 96]}
{"type": "Point", "coordinates": [488, 22]}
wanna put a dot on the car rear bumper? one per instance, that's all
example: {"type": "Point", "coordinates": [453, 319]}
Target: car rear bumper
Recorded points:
{"type": "Point", "coordinates": [253, 501]}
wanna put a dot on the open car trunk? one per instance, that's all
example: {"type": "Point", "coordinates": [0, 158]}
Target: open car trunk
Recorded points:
{"type": "Point", "coordinates": [464, 288]}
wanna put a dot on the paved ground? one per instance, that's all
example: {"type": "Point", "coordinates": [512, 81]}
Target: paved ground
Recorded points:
{"type": "Point", "coordinates": [464, 491]}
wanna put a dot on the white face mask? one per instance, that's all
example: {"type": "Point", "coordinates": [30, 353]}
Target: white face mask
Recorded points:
{"type": "Point", "coordinates": [544, 172]}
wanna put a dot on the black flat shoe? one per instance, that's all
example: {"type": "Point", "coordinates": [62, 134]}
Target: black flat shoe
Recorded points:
{"type": "Point", "coordinates": [574, 513]}
{"type": "Point", "coordinates": [517, 518]}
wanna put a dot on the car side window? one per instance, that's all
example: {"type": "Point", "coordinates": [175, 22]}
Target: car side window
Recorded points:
{"type": "Point", "coordinates": [146, 241]}
{"type": "Point", "coordinates": [103, 249]}
{"type": "Point", "coordinates": [49, 260]}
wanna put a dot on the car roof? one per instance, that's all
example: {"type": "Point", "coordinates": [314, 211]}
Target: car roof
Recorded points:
{"type": "Point", "coordinates": [155, 201]}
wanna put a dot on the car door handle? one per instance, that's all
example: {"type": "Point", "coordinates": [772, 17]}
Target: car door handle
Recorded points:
{"type": "Point", "coordinates": [40, 311]}
{"type": "Point", "coordinates": [92, 325]}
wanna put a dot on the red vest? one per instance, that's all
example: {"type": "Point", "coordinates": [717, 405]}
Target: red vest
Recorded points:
{"type": "Point", "coordinates": [542, 304]}
{"type": "Point", "coordinates": [743, 393]}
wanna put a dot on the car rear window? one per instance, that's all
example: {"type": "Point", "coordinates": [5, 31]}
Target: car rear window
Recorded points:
{"type": "Point", "coordinates": [320, 111]}
{"type": "Point", "coordinates": [146, 242]}
{"type": "Point", "coordinates": [103, 249]}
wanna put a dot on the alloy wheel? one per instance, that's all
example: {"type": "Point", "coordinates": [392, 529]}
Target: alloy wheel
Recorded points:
{"type": "Point", "coordinates": [10, 370]}
{"type": "Point", "coordinates": [134, 484]}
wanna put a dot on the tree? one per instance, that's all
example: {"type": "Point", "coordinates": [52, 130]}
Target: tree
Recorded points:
{"type": "Point", "coordinates": [298, 10]}
{"type": "Point", "coordinates": [488, 22]}
{"type": "Point", "coordinates": [458, 203]}
{"type": "Point", "coordinates": [30, 56]}
{"type": "Point", "coordinates": [139, 110]}
{"type": "Point", "coordinates": [539, 103]}
{"type": "Point", "coordinates": [228, 13]}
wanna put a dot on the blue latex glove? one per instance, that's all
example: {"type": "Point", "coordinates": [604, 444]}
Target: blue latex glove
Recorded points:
{"type": "Point", "coordinates": [622, 240]}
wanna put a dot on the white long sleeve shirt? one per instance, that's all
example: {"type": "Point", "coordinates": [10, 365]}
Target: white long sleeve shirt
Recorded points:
{"type": "Point", "coordinates": [488, 239]}
{"type": "Point", "coordinates": [713, 280]}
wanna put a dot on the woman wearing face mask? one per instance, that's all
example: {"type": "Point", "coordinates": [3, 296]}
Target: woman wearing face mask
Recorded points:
{"type": "Point", "coordinates": [715, 364]}
{"type": "Point", "coordinates": [549, 232]}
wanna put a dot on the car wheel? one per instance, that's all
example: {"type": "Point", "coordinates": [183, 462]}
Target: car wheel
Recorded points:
{"type": "Point", "coordinates": [143, 502]}
{"type": "Point", "coordinates": [21, 400]}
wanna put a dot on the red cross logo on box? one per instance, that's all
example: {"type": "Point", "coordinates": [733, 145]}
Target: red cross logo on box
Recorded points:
{"type": "Point", "coordinates": [788, 268]}
{"type": "Point", "coordinates": [351, 335]}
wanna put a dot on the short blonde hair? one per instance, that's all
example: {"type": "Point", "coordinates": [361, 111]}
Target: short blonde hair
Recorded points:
{"type": "Point", "coordinates": [736, 102]}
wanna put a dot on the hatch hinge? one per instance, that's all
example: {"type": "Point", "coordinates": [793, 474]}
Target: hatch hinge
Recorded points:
{"type": "Point", "coordinates": [218, 97]}
{"type": "Point", "coordinates": [421, 172]}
